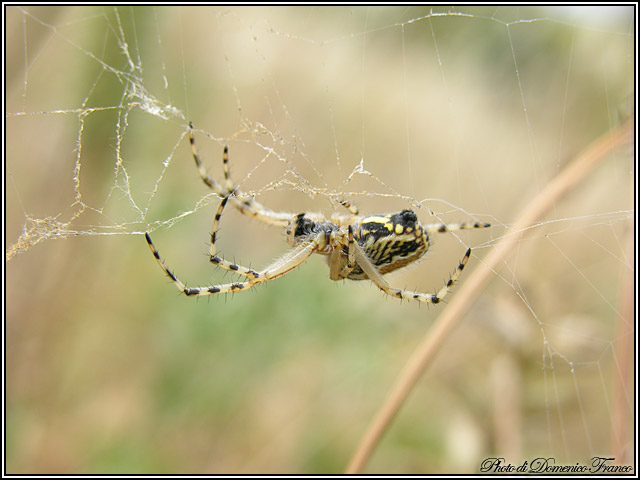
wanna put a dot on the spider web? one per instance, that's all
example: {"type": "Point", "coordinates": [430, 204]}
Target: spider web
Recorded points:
{"type": "Point", "coordinates": [458, 113]}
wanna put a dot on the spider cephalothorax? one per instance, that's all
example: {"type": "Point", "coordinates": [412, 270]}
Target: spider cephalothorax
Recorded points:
{"type": "Point", "coordinates": [303, 226]}
{"type": "Point", "coordinates": [357, 248]}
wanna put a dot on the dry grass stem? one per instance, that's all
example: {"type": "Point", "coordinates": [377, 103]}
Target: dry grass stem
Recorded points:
{"type": "Point", "coordinates": [451, 316]}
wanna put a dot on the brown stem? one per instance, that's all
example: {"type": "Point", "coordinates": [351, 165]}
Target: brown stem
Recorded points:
{"type": "Point", "coordinates": [450, 317]}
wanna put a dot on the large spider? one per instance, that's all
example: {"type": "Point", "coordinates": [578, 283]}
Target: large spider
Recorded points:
{"type": "Point", "coordinates": [358, 248]}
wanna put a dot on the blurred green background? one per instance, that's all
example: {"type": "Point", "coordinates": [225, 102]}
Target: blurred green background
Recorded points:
{"type": "Point", "coordinates": [110, 370]}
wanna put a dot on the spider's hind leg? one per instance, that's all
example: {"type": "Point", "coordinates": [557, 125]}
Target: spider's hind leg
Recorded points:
{"type": "Point", "coordinates": [376, 277]}
{"type": "Point", "coordinates": [451, 227]}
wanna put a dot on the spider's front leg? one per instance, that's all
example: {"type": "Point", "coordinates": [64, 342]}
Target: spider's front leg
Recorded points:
{"type": "Point", "coordinates": [295, 257]}
{"type": "Point", "coordinates": [243, 202]}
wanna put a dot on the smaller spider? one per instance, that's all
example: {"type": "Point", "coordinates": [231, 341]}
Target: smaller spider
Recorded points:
{"type": "Point", "coordinates": [357, 248]}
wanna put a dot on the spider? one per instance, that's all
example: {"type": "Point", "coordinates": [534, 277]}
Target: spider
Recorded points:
{"type": "Point", "coordinates": [357, 248]}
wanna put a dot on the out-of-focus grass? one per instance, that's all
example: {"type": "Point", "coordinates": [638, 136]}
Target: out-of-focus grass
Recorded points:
{"type": "Point", "coordinates": [169, 384]}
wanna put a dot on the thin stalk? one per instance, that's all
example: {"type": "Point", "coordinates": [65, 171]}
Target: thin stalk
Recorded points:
{"type": "Point", "coordinates": [450, 317]}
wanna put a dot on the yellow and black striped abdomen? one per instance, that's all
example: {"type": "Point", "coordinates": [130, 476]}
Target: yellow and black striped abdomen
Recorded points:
{"type": "Point", "coordinates": [390, 241]}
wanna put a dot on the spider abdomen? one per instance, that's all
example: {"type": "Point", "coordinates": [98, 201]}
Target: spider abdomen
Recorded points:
{"type": "Point", "coordinates": [390, 241]}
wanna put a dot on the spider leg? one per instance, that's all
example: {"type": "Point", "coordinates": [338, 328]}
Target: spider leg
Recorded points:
{"type": "Point", "coordinates": [336, 259]}
{"type": "Point", "coordinates": [376, 277]}
{"type": "Point", "coordinates": [243, 202]}
{"type": "Point", "coordinates": [351, 255]}
{"type": "Point", "coordinates": [280, 267]}
{"type": "Point", "coordinates": [349, 206]}
{"type": "Point", "coordinates": [450, 227]}
{"type": "Point", "coordinates": [221, 262]}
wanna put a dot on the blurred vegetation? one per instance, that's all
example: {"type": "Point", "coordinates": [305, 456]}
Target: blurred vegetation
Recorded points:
{"type": "Point", "coordinates": [110, 370]}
